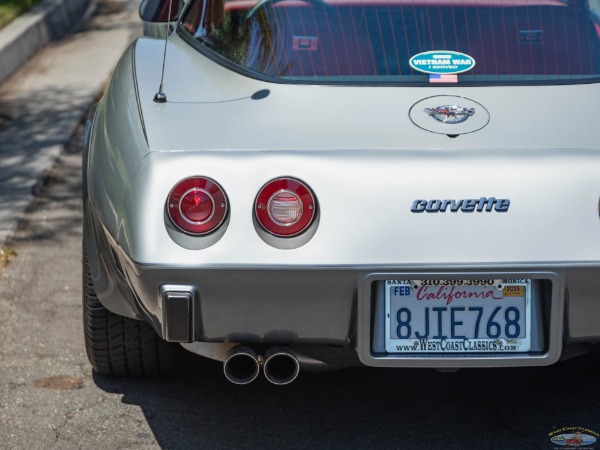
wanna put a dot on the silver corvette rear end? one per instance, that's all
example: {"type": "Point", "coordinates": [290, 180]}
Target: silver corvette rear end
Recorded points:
{"type": "Point", "coordinates": [315, 221]}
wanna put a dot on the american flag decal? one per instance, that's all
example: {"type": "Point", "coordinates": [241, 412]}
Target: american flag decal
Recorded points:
{"type": "Point", "coordinates": [443, 78]}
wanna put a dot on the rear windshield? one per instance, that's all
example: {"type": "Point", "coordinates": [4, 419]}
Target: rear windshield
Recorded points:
{"type": "Point", "coordinates": [403, 41]}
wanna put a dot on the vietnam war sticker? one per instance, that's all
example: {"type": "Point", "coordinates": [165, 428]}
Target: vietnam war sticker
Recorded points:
{"type": "Point", "coordinates": [442, 62]}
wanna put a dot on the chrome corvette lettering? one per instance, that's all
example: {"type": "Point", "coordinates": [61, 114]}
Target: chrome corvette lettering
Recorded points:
{"type": "Point", "coordinates": [466, 205]}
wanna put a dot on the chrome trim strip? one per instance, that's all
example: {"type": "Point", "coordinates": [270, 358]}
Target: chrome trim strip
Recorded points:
{"type": "Point", "coordinates": [137, 93]}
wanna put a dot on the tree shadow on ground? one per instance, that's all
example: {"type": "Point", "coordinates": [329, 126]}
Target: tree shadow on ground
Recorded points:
{"type": "Point", "coordinates": [368, 408]}
{"type": "Point", "coordinates": [56, 224]}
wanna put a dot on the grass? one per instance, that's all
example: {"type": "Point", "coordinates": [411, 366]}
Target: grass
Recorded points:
{"type": "Point", "coordinates": [7, 254]}
{"type": "Point", "coordinates": [10, 9]}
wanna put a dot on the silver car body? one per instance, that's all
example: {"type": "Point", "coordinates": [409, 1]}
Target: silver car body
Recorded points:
{"type": "Point", "coordinates": [367, 162]}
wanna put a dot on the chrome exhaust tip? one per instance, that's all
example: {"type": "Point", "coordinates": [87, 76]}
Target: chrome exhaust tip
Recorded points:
{"type": "Point", "coordinates": [241, 365]}
{"type": "Point", "coordinates": [281, 366]}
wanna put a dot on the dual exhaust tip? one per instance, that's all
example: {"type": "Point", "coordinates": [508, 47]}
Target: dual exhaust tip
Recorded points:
{"type": "Point", "coordinates": [279, 365]}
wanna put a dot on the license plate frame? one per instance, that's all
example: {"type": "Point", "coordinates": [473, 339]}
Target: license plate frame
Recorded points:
{"type": "Point", "coordinates": [465, 297]}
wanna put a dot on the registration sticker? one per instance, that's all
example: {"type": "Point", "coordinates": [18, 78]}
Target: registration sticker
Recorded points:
{"type": "Point", "coordinates": [458, 316]}
{"type": "Point", "coordinates": [513, 291]}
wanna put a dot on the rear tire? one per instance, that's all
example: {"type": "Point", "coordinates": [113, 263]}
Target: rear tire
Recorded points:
{"type": "Point", "coordinates": [121, 346]}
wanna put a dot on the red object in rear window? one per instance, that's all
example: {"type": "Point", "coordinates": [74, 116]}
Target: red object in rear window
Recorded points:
{"type": "Point", "coordinates": [197, 205]}
{"type": "Point", "coordinates": [285, 207]}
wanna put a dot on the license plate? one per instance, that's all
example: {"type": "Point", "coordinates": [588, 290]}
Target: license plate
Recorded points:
{"type": "Point", "coordinates": [458, 316]}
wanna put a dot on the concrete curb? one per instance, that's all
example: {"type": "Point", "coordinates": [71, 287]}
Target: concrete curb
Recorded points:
{"type": "Point", "coordinates": [23, 37]}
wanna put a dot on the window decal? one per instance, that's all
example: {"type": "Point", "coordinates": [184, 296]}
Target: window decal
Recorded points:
{"type": "Point", "coordinates": [442, 62]}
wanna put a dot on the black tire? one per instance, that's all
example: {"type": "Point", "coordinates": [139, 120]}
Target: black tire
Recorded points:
{"type": "Point", "coordinates": [121, 346]}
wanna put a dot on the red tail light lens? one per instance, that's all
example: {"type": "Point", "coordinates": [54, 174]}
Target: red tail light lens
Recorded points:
{"type": "Point", "coordinates": [197, 205]}
{"type": "Point", "coordinates": [285, 207]}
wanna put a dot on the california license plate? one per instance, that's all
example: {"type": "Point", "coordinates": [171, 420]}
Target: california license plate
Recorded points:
{"type": "Point", "coordinates": [458, 316]}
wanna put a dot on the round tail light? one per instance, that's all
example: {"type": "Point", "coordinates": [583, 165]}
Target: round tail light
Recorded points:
{"type": "Point", "coordinates": [285, 207]}
{"type": "Point", "coordinates": [197, 205]}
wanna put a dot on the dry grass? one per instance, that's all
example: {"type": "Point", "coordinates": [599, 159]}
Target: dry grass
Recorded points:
{"type": "Point", "coordinates": [7, 254]}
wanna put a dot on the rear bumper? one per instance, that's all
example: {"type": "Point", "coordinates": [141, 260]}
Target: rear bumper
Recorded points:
{"type": "Point", "coordinates": [339, 307]}
{"type": "Point", "coordinates": [336, 307]}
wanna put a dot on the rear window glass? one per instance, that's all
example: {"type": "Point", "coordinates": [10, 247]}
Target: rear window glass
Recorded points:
{"type": "Point", "coordinates": [403, 41]}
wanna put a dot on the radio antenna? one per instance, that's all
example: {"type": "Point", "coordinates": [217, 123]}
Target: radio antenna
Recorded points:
{"type": "Point", "coordinates": [160, 96]}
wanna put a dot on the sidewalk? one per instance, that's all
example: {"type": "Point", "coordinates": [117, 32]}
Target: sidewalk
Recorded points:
{"type": "Point", "coordinates": [44, 101]}
{"type": "Point", "coordinates": [22, 38]}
